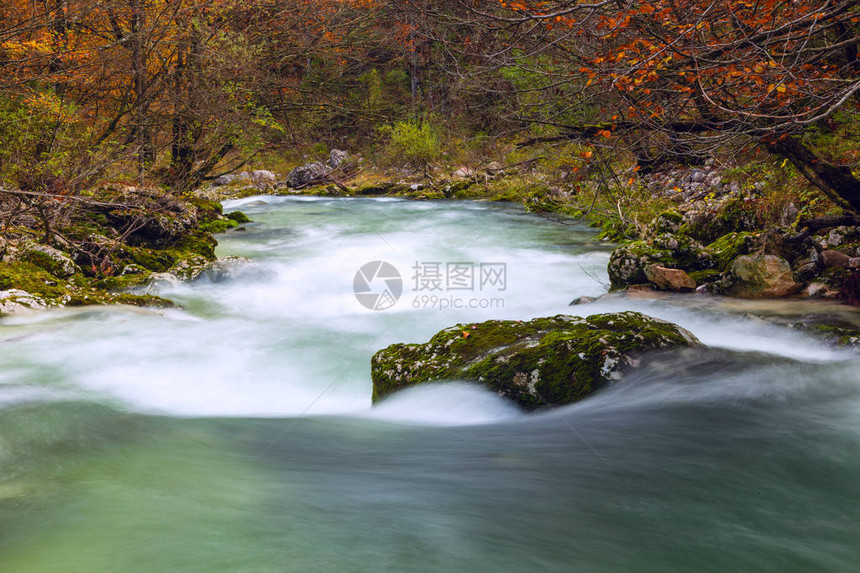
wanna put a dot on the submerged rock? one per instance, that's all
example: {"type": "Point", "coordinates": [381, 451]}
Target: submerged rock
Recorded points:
{"type": "Point", "coordinates": [545, 361]}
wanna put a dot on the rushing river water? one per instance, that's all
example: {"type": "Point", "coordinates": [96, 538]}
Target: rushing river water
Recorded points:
{"type": "Point", "coordinates": [237, 435]}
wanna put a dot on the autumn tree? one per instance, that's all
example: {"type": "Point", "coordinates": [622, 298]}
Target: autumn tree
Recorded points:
{"type": "Point", "coordinates": [669, 77]}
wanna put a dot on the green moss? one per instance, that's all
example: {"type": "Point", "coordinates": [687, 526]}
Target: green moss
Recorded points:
{"type": "Point", "coordinates": [198, 242]}
{"type": "Point", "coordinates": [43, 261]}
{"type": "Point", "coordinates": [238, 216]}
{"type": "Point", "coordinates": [145, 300]}
{"type": "Point", "coordinates": [155, 260]}
{"type": "Point", "coordinates": [28, 277]}
{"type": "Point", "coordinates": [834, 277]}
{"type": "Point", "coordinates": [666, 222]}
{"type": "Point", "coordinates": [120, 283]}
{"type": "Point", "coordinates": [206, 206]}
{"type": "Point", "coordinates": [383, 188]}
{"type": "Point", "coordinates": [706, 276]}
{"type": "Point", "coordinates": [219, 226]}
{"type": "Point", "coordinates": [729, 247]}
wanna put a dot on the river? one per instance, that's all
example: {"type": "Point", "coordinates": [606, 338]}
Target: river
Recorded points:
{"type": "Point", "coordinates": [237, 434]}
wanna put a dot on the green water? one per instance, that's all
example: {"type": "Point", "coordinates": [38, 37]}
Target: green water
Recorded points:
{"type": "Point", "coordinates": [238, 435]}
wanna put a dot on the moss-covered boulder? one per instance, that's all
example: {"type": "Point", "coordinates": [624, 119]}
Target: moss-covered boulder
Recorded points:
{"type": "Point", "coordinates": [545, 361]}
{"type": "Point", "coordinates": [628, 262]}
{"type": "Point", "coordinates": [666, 222]}
{"type": "Point", "coordinates": [754, 276]}
{"type": "Point", "coordinates": [47, 258]}
{"type": "Point", "coordinates": [729, 247]}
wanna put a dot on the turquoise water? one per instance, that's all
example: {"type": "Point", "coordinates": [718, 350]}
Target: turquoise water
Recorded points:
{"type": "Point", "coordinates": [238, 434]}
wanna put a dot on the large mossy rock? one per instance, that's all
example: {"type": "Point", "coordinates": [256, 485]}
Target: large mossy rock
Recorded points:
{"type": "Point", "coordinates": [753, 276]}
{"type": "Point", "coordinates": [628, 262]}
{"type": "Point", "coordinates": [545, 361]}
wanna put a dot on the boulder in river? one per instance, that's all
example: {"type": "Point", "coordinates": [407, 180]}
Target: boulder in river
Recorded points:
{"type": "Point", "coordinates": [665, 278]}
{"type": "Point", "coordinates": [760, 276]}
{"type": "Point", "coordinates": [545, 361]}
{"type": "Point", "coordinates": [627, 263]}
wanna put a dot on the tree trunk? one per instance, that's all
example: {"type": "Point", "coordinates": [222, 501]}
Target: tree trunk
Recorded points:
{"type": "Point", "coordinates": [836, 181]}
{"type": "Point", "coordinates": [145, 151]}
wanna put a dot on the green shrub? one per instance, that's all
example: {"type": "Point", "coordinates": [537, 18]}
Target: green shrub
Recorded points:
{"type": "Point", "coordinates": [416, 143]}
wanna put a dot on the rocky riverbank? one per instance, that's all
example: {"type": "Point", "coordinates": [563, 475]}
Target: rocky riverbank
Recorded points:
{"type": "Point", "coordinates": [103, 247]}
{"type": "Point", "coordinates": [716, 250]}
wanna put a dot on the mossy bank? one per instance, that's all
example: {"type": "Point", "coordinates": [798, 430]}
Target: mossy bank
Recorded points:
{"type": "Point", "coordinates": [104, 246]}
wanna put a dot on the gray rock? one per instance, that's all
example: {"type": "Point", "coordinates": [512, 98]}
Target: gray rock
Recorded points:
{"type": "Point", "coordinates": [15, 301]}
{"type": "Point", "coordinates": [789, 214]}
{"type": "Point", "coordinates": [582, 300]}
{"type": "Point", "coordinates": [819, 290]}
{"type": "Point", "coordinates": [133, 270]}
{"type": "Point", "coordinates": [307, 174]}
{"type": "Point", "coordinates": [463, 173]}
{"type": "Point", "coordinates": [337, 158]}
{"type": "Point", "coordinates": [854, 263]}
{"type": "Point", "coordinates": [697, 176]}
{"type": "Point", "coordinates": [190, 268]}
{"type": "Point", "coordinates": [627, 263]}
{"type": "Point", "coordinates": [223, 269]}
{"type": "Point", "coordinates": [263, 176]}
{"type": "Point", "coordinates": [223, 180]}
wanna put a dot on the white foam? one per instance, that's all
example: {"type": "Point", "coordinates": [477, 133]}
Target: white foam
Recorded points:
{"type": "Point", "coordinates": [444, 404]}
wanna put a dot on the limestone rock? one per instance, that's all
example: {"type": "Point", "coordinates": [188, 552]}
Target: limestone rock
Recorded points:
{"type": "Point", "coordinates": [336, 158]}
{"type": "Point", "coordinates": [223, 269]}
{"type": "Point", "coordinates": [463, 173]}
{"type": "Point", "coordinates": [306, 174]}
{"type": "Point", "coordinates": [223, 180]}
{"type": "Point", "coordinates": [15, 301]}
{"type": "Point", "coordinates": [627, 263]}
{"type": "Point", "coordinates": [263, 176]}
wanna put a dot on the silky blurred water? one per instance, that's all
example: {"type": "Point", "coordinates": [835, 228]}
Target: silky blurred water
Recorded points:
{"type": "Point", "coordinates": [237, 433]}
